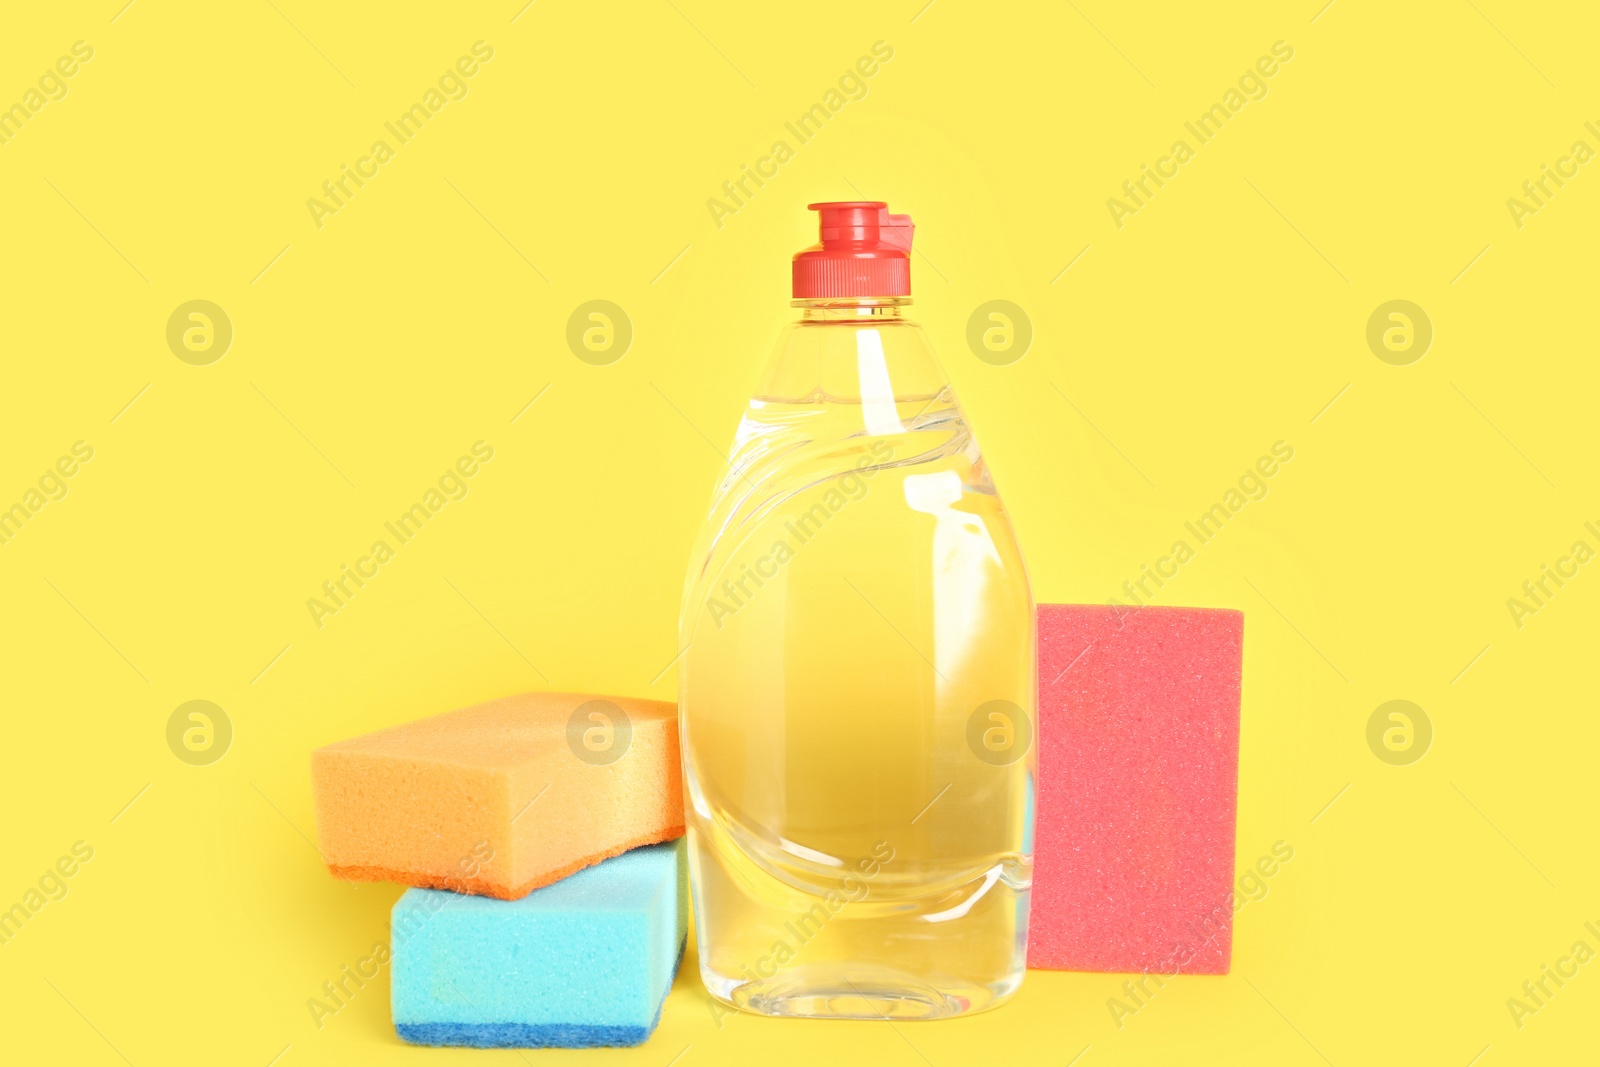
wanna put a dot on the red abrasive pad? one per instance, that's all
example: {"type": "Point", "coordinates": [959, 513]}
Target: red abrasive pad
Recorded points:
{"type": "Point", "coordinates": [1138, 779]}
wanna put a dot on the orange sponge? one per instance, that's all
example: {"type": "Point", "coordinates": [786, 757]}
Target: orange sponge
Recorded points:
{"type": "Point", "coordinates": [501, 798]}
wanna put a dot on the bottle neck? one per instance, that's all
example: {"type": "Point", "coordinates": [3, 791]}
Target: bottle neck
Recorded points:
{"type": "Point", "coordinates": [860, 310]}
{"type": "Point", "coordinates": [853, 350]}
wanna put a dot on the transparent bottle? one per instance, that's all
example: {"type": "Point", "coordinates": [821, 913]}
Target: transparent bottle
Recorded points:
{"type": "Point", "coordinates": [857, 695]}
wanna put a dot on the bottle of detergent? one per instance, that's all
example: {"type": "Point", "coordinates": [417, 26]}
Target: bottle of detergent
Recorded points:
{"type": "Point", "coordinates": [857, 695]}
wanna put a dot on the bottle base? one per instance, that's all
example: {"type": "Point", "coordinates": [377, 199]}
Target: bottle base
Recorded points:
{"type": "Point", "coordinates": [846, 991]}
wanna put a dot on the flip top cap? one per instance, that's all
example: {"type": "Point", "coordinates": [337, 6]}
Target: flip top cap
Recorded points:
{"type": "Point", "coordinates": [863, 251]}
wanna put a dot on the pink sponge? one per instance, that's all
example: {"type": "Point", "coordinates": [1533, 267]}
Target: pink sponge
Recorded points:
{"type": "Point", "coordinates": [1138, 778]}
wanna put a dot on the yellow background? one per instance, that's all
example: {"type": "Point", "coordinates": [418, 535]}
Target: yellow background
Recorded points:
{"type": "Point", "coordinates": [424, 316]}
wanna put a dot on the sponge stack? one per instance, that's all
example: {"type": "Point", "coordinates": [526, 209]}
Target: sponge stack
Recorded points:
{"type": "Point", "coordinates": [563, 805]}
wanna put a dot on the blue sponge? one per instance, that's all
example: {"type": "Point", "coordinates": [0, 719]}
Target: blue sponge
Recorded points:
{"type": "Point", "coordinates": [584, 961]}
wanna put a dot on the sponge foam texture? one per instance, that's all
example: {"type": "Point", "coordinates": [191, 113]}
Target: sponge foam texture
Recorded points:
{"type": "Point", "coordinates": [500, 798]}
{"type": "Point", "coordinates": [587, 961]}
{"type": "Point", "coordinates": [1138, 781]}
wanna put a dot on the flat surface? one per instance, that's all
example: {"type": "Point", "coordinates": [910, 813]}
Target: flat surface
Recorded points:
{"type": "Point", "coordinates": [1167, 357]}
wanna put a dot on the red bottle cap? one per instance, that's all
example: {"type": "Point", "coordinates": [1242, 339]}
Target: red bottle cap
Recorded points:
{"type": "Point", "coordinates": [865, 251]}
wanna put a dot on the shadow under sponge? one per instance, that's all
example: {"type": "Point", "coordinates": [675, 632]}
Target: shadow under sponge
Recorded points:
{"type": "Point", "coordinates": [586, 961]}
{"type": "Point", "coordinates": [1138, 785]}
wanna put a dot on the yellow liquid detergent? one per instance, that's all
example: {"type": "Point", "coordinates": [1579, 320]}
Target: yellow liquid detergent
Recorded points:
{"type": "Point", "coordinates": [858, 692]}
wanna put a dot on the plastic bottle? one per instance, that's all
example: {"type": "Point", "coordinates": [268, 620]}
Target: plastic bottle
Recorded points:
{"type": "Point", "coordinates": [857, 695]}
